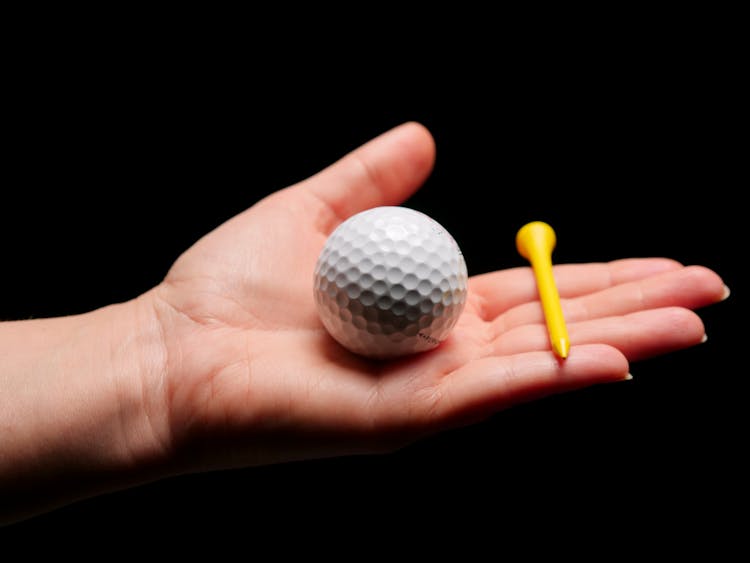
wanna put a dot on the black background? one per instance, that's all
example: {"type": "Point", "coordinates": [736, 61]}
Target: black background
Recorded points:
{"type": "Point", "coordinates": [119, 154]}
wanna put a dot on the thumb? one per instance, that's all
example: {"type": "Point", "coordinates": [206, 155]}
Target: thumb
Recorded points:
{"type": "Point", "coordinates": [384, 171]}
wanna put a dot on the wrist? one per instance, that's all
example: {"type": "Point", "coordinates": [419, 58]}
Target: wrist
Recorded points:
{"type": "Point", "coordinates": [134, 361]}
{"type": "Point", "coordinates": [83, 411]}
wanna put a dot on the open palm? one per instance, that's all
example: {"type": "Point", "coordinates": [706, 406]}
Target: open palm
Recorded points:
{"type": "Point", "coordinates": [252, 376]}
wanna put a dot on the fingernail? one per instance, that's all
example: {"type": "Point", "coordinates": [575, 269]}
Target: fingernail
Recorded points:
{"type": "Point", "coordinates": [626, 377]}
{"type": "Point", "coordinates": [705, 337]}
{"type": "Point", "coordinates": [727, 292]}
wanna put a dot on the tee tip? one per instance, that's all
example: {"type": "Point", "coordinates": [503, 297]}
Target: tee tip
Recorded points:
{"type": "Point", "coordinates": [561, 347]}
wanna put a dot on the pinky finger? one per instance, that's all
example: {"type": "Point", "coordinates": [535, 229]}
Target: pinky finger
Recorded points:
{"type": "Point", "coordinates": [488, 385]}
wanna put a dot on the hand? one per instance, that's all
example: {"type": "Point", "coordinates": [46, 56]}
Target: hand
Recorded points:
{"type": "Point", "coordinates": [250, 376]}
{"type": "Point", "coordinates": [226, 362]}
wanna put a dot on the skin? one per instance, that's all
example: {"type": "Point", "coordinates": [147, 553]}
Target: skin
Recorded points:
{"type": "Point", "coordinates": [226, 363]}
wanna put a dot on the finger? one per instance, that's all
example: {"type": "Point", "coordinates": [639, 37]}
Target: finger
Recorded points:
{"type": "Point", "coordinates": [385, 171]}
{"type": "Point", "coordinates": [691, 287]}
{"type": "Point", "coordinates": [493, 383]}
{"type": "Point", "coordinates": [637, 335]}
{"type": "Point", "coordinates": [501, 290]}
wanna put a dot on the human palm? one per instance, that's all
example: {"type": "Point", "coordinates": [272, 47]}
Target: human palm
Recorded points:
{"type": "Point", "coordinates": [252, 377]}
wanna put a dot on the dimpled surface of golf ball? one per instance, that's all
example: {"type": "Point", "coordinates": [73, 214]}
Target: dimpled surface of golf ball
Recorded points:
{"type": "Point", "coordinates": [390, 281]}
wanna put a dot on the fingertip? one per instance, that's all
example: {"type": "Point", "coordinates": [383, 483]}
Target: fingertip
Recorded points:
{"type": "Point", "coordinates": [415, 126]}
{"type": "Point", "coordinates": [588, 364]}
{"type": "Point", "coordinates": [417, 147]}
{"type": "Point", "coordinates": [383, 171]}
{"type": "Point", "coordinates": [422, 135]}
{"type": "Point", "coordinates": [707, 285]}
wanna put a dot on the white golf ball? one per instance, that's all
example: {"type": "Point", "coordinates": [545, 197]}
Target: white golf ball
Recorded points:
{"type": "Point", "coordinates": [390, 281]}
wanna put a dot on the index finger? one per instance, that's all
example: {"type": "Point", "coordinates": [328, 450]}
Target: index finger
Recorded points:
{"type": "Point", "coordinates": [501, 290]}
